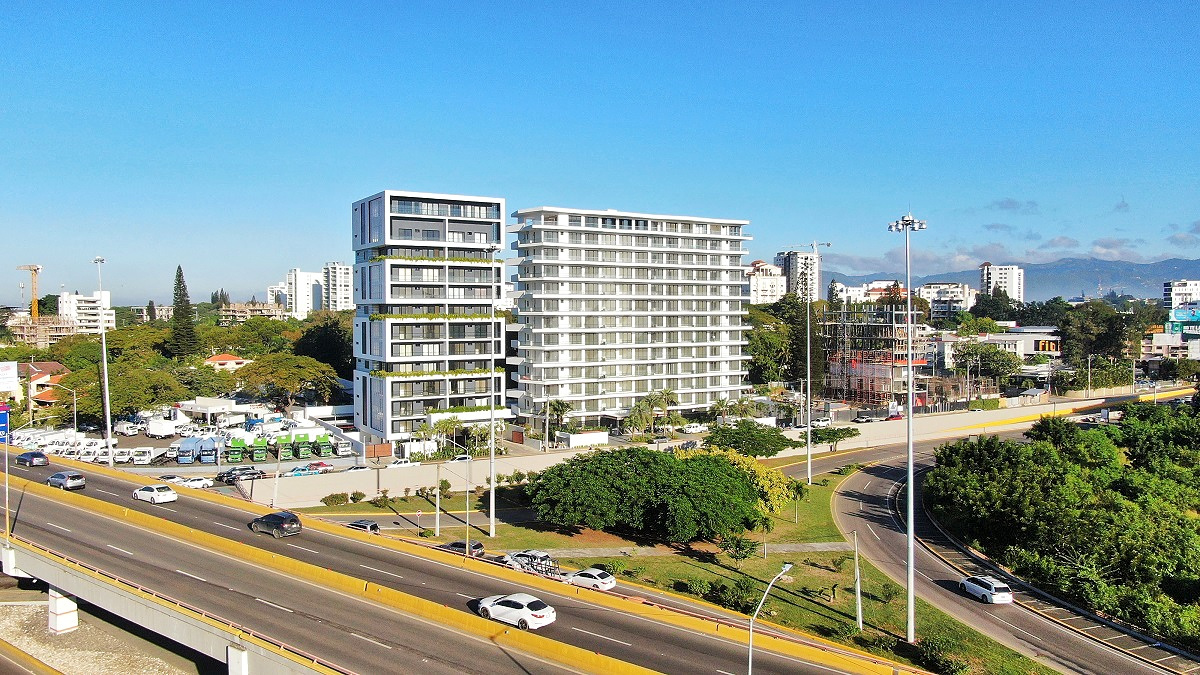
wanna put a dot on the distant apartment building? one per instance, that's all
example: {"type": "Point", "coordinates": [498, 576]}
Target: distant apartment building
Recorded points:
{"type": "Point", "coordinates": [868, 292]}
{"type": "Point", "coordinates": [947, 299]}
{"type": "Point", "coordinates": [802, 270]}
{"type": "Point", "coordinates": [240, 312]}
{"type": "Point", "coordinates": [1009, 278]}
{"type": "Point", "coordinates": [277, 294]}
{"type": "Point", "coordinates": [614, 305]}
{"type": "Point", "coordinates": [1180, 292]}
{"type": "Point", "coordinates": [427, 344]}
{"type": "Point", "coordinates": [161, 313]}
{"type": "Point", "coordinates": [91, 313]}
{"type": "Point", "coordinates": [765, 283]}
{"type": "Point", "coordinates": [304, 292]}
{"type": "Point", "coordinates": [337, 280]}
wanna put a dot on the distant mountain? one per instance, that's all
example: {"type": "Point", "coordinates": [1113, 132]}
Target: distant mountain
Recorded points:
{"type": "Point", "coordinates": [1068, 277]}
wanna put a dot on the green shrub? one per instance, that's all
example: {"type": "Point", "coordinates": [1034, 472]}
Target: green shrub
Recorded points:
{"type": "Point", "coordinates": [698, 587]}
{"type": "Point", "coordinates": [843, 630]}
{"type": "Point", "coordinates": [357, 496]}
{"type": "Point", "coordinates": [936, 652]}
{"type": "Point", "coordinates": [615, 566]}
{"type": "Point", "coordinates": [335, 499]}
{"type": "Point", "coordinates": [888, 593]}
{"type": "Point", "coordinates": [425, 532]}
{"type": "Point", "coordinates": [636, 571]}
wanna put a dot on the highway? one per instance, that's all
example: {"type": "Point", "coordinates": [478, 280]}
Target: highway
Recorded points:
{"type": "Point", "coordinates": [862, 503]}
{"type": "Point", "coordinates": [300, 615]}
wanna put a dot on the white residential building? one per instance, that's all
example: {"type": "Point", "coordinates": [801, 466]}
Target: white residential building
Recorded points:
{"type": "Point", "coordinates": [304, 292]}
{"type": "Point", "coordinates": [1180, 292]}
{"type": "Point", "coordinates": [91, 313]}
{"type": "Point", "coordinates": [337, 281]}
{"type": "Point", "coordinates": [1009, 278]}
{"type": "Point", "coordinates": [803, 273]}
{"type": "Point", "coordinates": [868, 292]}
{"type": "Point", "coordinates": [614, 305]}
{"type": "Point", "coordinates": [427, 344]}
{"type": "Point", "coordinates": [947, 299]}
{"type": "Point", "coordinates": [765, 283]}
{"type": "Point", "coordinates": [161, 313]}
{"type": "Point", "coordinates": [277, 294]}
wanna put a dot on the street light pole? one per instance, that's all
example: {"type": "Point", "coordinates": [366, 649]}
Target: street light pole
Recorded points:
{"type": "Point", "coordinates": [104, 363]}
{"type": "Point", "coordinates": [492, 393]}
{"type": "Point", "coordinates": [1089, 393]}
{"type": "Point", "coordinates": [907, 225]}
{"type": "Point", "coordinates": [810, 282]}
{"type": "Point", "coordinates": [750, 659]}
{"type": "Point", "coordinates": [857, 587]}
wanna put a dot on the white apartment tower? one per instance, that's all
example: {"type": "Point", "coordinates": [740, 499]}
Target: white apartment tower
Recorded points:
{"type": "Point", "coordinates": [1180, 292]}
{"type": "Point", "coordinates": [90, 313]}
{"type": "Point", "coordinates": [1010, 278]}
{"type": "Point", "coordinates": [614, 305]}
{"type": "Point", "coordinates": [766, 283]}
{"type": "Point", "coordinates": [304, 292]}
{"type": "Point", "coordinates": [337, 282]}
{"type": "Point", "coordinates": [427, 343]}
{"type": "Point", "coordinates": [803, 273]}
{"type": "Point", "coordinates": [946, 299]}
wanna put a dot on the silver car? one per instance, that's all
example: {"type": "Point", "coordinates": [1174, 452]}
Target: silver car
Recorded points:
{"type": "Point", "coordinates": [67, 480]}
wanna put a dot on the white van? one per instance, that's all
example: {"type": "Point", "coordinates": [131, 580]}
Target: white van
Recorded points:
{"type": "Point", "coordinates": [694, 428]}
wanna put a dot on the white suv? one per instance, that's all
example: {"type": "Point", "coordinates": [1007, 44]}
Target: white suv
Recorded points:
{"type": "Point", "coordinates": [821, 422]}
{"type": "Point", "coordinates": [987, 589]}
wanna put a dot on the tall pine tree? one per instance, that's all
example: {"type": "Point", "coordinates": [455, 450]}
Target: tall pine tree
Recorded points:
{"type": "Point", "coordinates": [151, 311]}
{"type": "Point", "coordinates": [183, 341]}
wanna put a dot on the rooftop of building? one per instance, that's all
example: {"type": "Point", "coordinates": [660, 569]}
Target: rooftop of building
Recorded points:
{"type": "Point", "coordinates": [631, 214]}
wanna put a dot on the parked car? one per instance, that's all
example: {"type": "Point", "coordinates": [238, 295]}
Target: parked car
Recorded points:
{"type": "Point", "coordinates": [299, 471]}
{"type": "Point", "coordinates": [236, 473]}
{"type": "Point", "coordinates": [895, 417]}
{"type": "Point", "coordinates": [694, 428]}
{"type": "Point", "coordinates": [592, 577]}
{"type": "Point", "coordinates": [863, 419]}
{"type": "Point", "coordinates": [821, 422]}
{"type": "Point", "coordinates": [987, 589]}
{"type": "Point", "coordinates": [197, 482]}
{"type": "Point", "coordinates": [460, 458]}
{"type": "Point", "coordinates": [368, 526]}
{"type": "Point", "coordinates": [172, 478]}
{"type": "Point", "coordinates": [460, 547]}
{"type": "Point", "coordinates": [278, 524]}
{"type": "Point", "coordinates": [403, 463]}
{"type": "Point", "coordinates": [156, 494]}
{"type": "Point", "coordinates": [320, 467]}
{"type": "Point", "coordinates": [531, 560]}
{"type": "Point", "coordinates": [32, 459]}
{"type": "Point", "coordinates": [519, 609]}
{"type": "Point", "coordinates": [67, 480]}
{"type": "Point", "coordinates": [361, 467]}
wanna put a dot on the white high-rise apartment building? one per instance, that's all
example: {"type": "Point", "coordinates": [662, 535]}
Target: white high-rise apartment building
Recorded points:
{"type": "Point", "coordinates": [304, 292]}
{"type": "Point", "coordinates": [1010, 278]}
{"type": "Point", "coordinates": [89, 312]}
{"type": "Point", "coordinates": [1180, 292]}
{"type": "Point", "coordinates": [766, 283]}
{"type": "Point", "coordinates": [337, 281]}
{"type": "Point", "coordinates": [427, 342]}
{"type": "Point", "coordinates": [947, 299]}
{"type": "Point", "coordinates": [614, 305]}
{"type": "Point", "coordinates": [803, 273]}
{"type": "Point", "coordinates": [277, 294]}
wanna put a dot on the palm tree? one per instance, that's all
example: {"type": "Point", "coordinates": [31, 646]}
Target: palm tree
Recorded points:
{"type": "Point", "coordinates": [653, 401]}
{"type": "Point", "coordinates": [744, 407]}
{"type": "Point", "coordinates": [720, 408]}
{"type": "Point", "coordinates": [445, 429]}
{"type": "Point", "coordinates": [559, 409]}
{"type": "Point", "coordinates": [662, 399]}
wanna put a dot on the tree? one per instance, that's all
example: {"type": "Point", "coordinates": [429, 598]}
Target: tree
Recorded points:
{"type": "Point", "coordinates": [834, 435]}
{"type": "Point", "coordinates": [991, 360]}
{"type": "Point", "coordinates": [285, 377]}
{"type": "Point", "coordinates": [1093, 328]}
{"type": "Point", "coordinates": [738, 548]}
{"type": "Point", "coordinates": [659, 400]}
{"type": "Point", "coordinates": [1049, 313]}
{"type": "Point", "coordinates": [969, 324]}
{"type": "Point", "coordinates": [219, 297]}
{"type": "Point", "coordinates": [995, 305]}
{"type": "Point", "coordinates": [151, 311]}
{"type": "Point", "coordinates": [719, 408]}
{"type": "Point", "coordinates": [558, 410]}
{"type": "Point", "coordinates": [639, 417]}
{"type": "Point", "coordinates": [750, 438]}
{"type": "Point", "coordinates": [833, 296]}
{"type": "Point", "coordinates": [768, 349]}
{"type": "Point", "coordinates": [48, 305]}
{"type": "Point", "coordinates": [183, 341]}
{"type": "Point", "coordinates": [329, 338]}
{"type": "Point", "coordinates": [771, 484]}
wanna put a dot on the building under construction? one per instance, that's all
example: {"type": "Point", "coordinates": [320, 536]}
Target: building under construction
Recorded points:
{"type": "Point", "coordinates": [866, 347]}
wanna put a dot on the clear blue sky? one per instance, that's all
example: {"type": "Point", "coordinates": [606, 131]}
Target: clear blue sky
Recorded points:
{"type": "Point", "coordinates": [231, 138]}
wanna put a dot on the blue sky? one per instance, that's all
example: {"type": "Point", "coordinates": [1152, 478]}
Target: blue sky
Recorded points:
{"type": "Point", "coordinates": [231, 138]}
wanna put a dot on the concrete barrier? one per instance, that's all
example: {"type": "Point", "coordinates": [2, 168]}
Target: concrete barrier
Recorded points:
{"type": "Point", "coordinates": [26, 660]}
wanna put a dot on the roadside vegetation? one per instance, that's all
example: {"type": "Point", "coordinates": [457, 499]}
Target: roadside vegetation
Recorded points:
{"type": "Point", "coordinates": [1107, 517]}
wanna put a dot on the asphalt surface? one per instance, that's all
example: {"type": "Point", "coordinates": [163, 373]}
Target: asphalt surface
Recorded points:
{"type": "Point", "coordinates": [348, 630]}
{"type": "Point", "coordinates": [862, 504]}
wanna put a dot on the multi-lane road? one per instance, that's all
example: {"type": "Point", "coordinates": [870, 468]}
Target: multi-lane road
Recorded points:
{"type": "Point", "coordinates": [864, 503]}
{"type": "Point", "coordinates": [345, 630]}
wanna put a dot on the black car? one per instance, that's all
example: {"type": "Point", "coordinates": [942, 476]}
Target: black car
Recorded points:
{"type": "Point", "coordinates": [279, 524]}
{"type": "Point", "coordinates": [32, 459]}
{"type": "Point", "coordinates": [460, 547]}
{"type": "Point", "coordinates": [234, 474]}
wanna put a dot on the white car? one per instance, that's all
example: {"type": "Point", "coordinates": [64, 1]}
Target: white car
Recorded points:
{"type": "Point", "coordinates": [359, 468]}
{"type": "Point", "coordinates": [821, 422]}
{"type": "Point", "coordinates": [156, 494]}
{"type": "Point", "coordinates": [172, 478]}
{"type": "Point", "coordinates": [402, 463]}
{"type": "Point", "coordinates": [198, 482]}
{"type": "Point", "coordinates": [987, 589]}
{"type": "Point", "coordinates": [592, 577]}
{"type": "Point", "coordinates": [694, 428]}
{"type": "Point", "coordinates": [519, 609]}
{"type": "Point", "coordinates": [460, 458]}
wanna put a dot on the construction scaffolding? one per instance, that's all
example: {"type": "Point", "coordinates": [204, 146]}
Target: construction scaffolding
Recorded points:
{"type": "Point", "coordinates": [866, 348]}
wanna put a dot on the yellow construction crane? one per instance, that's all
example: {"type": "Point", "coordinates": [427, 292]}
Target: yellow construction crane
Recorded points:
{"type": "Point", "coordinates": [34, 271]}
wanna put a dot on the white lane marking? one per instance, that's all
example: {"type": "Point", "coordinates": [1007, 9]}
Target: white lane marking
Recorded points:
{"type": "Point", "coordinates": [724, 672]}
{"type": "Point", "coordinates": [192, 576]}
{"type": "Point", "coordinates": [119, 549]}
{"type": "Point", "coordinates": [371, 641]}
{"type": "Point", "coordinates": [867, 485]}
{"type": "Point", "coordinates": [464, 596]}
{"type": "Point", "coordinates": [107, 492]}
{"type": "Point", "coordinates": [226, 526]}
{"type": "Point", "coordinates": [165, 508]}
{"type": "Point", "coordinates": [18, 467]}
{"type": "Point", "coordinates": [390, 574]}
{"type": "Point", "coordinates": [59, 527]}
{"type": "Point", "coordinates": [1015, 628]}
{"type": "Point", "coordinates": [274, 605]}
{"type": "Point", "coordinates": [303, 549]}
{"type": "Point", "coordinates": [873, 531]}
{"type": "Point", "coordinates": [603, 637]}
{"type": "Point", "coordinates": [860, 505]}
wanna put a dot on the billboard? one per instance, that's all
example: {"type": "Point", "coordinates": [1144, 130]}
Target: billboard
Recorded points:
{"type": "Point", "coordinates": [9, 380]}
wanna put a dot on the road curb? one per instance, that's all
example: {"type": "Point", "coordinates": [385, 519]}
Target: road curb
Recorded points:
{"type": "Point", "coordinates": [26, 659]}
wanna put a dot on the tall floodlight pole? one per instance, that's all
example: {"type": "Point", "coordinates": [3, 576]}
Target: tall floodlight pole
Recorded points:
{"type": "Point", "coordinates": [907, 225]}
{"type": "Point", "coordinates": [104, 362]}
{"type": "Point", "coordinates": [492, 393]}
{"type": "Point", "coordinates": [810, 284]}
{"type": "Point", "coordinates": [750, 657]}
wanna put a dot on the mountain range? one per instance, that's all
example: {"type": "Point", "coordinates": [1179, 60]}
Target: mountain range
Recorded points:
{"type": "Point", "coordinates": [1068, 277]}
